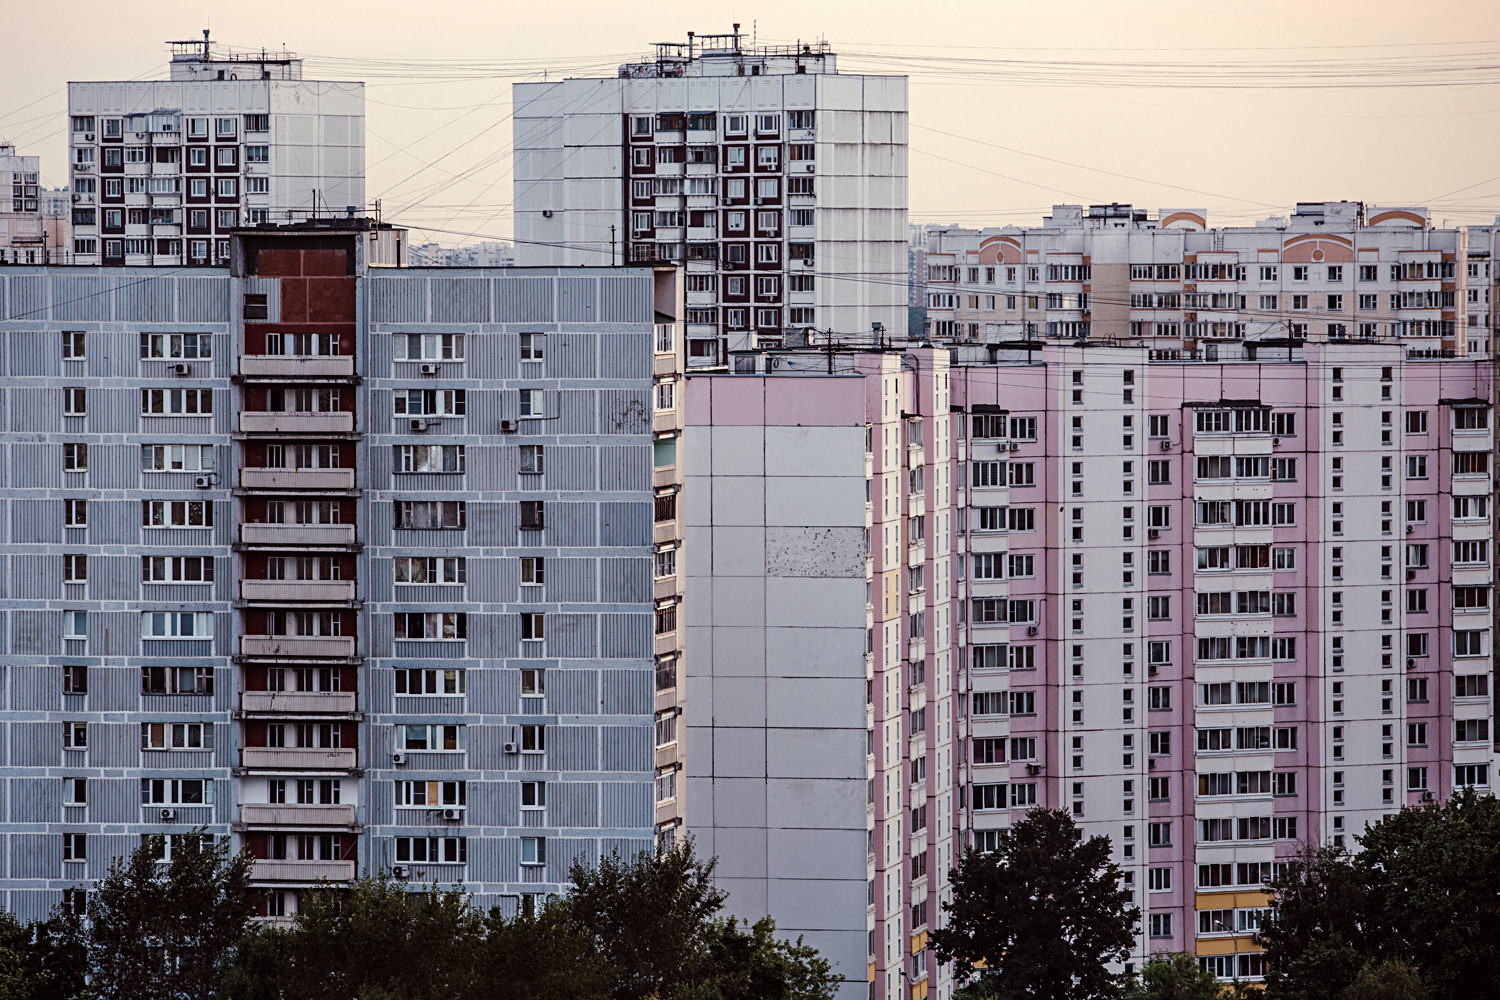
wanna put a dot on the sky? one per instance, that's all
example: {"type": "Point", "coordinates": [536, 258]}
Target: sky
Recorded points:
{"type": "Point", "coordinates": [1242, 109]}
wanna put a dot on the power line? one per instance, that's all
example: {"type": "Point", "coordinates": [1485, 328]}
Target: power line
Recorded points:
{"type": "Point", "coordinates": [1097, 170]}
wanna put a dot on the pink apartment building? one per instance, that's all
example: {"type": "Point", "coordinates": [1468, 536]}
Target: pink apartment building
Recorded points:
{"type": "Point", "coordinates": [1213, 608]}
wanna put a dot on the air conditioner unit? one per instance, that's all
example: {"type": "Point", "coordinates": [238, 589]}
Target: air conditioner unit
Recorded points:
{"type": "Point", "coordinates": [1426, 796]}
{"type": "Point", "coordinates": [419, 425]}
{"type": "Point", "coordinates": [1153, 533]}
{"type": "Point", "coordinates": [401, 872]}
{"type": "Point", "coordinates": [168, 815]}
{"type": "Point", "coordinates": [1411, 574]}
{"type": "Point", "coordinates": [453, 814]}
{"type": "Point", "coordinates": [88, 137]}
{"type": "Point", "coordinates": [429, 369]}
{"type": "Point", "coordinates": [809, 167]}
{"type": "Point", "coordinates": [507, 427]}
{"type": "Point", "coordinates": [1015, 446]}
{"type": "Point", "coordinates": [1151, 764]}
{"type": "Point", "coordinates": [398, 759]}
{"type": "Point", "coordinates": [182, 369]}
{"type": "Point", "coordinates": [203, 482]}
{"type": "Point", "coordinates": [1275, 442]}
{"type": "Point", "coordinates": [1410, 663]}
{"type": "Point", "coordinates": [1031, 630]}
{"type": "Point", "coordinates": [1152, 669]}
{"type": "Point", "coordinates": [512, 748]}
{"type": "Point", "coordinates": [1166, 446]}
{"type": "Point", "coordinates": [1033, 769]}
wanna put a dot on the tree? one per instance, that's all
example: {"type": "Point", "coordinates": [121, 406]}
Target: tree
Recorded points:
{"type": "Point", "coordinates": [1042, 916]}
{"type": "Point", "coordinates": [59, 945]}
{"type": "Point", "coordinates": [1314, 936]}
{"type": "Point", "coordinates": [379, 938]}
{"type": "Point", "coordinates": [748, 962]}
{"type": "Point", "coordinates": [1392, 979]}
{"type": "Point", "coordinates": [649, 918]}
{"type": "Point", "coordinates": [1175, 976]}
{"type": "Point", "coordinates": [1424, 889]}
{"type": "Point", "coordinates": [21, 972]}
{"type": "Point", "coordinates": [652, 922]}
{"type": "Point", "coordinates": [168, 934]}
{"type": "Point", "coordinates": [544, 956]}
{"type": "Point", "coordinates": [1432, 879]}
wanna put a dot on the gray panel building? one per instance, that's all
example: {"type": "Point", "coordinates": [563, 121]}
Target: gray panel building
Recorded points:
{"type": "Point", "coordinates": [357, 565]}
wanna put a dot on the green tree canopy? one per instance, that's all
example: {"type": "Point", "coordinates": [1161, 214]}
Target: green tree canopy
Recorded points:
{"type": "Point", "coordinates": [167, 932]}
{"type": "Point", "coordinates": [668, 902]}
{"type": "Point", "coordinates": [1424, 891]}
{"type": "Point", "coordinates": [1043, 916]}
{"type": "Point", "coordinates": [1174, 976]}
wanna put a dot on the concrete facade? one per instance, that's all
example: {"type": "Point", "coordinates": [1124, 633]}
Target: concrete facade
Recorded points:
{"type": "Point", "coordinates": [1212, 608]}
{"type": "Point", "coordinates": [1328, 271]}
{"type": "Point", "coordinates": [353, 564]}
{"type": "Point", "coordinates": [820, 499]}
{"type": "Point", "coordinates": [164, 170]}
{"type": "Point", "coordinates": [777, 182]}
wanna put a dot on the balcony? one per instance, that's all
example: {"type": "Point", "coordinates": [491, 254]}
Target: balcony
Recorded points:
{"type": "Point", "coordinates": [297, 535]}
{"type": "Point", "coordinates": [300, 646]}
{"type": "Point", "coordinates": [302, 872]}
{"type": "Point", "coordinates": [297, 366]}
{"type": "Point", "coordinates": [297, 702]}
{"type": "Point", "coordinates": [298, 591]}
{"type": "Point", "coordinates": [278, 422]}
{"type": "Point", "coordinates": [297, 479]}
{"type": "Point", "coordinates": [299, 817]}
{"type": "Point", "coordinates": [298, 758]}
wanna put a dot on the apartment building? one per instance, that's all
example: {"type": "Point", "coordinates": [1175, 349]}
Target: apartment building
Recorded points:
{"type": "Point", "coordinates": [778, 183]}
{"type": "Point", "coordinates": [1213, 606]}
{"type": "Point", "coordinates": [163, 171]}
{"type": "Point", "coordinates": [821, 766]}
{"type": "Point", "coordinates": [29, 233]}
{"type": "Point", "coordinates": [1329, 271]}
{"type": "Point", "coordinates": [1255, 595]}
{"type": "Point", "coordinates": [360, 566]}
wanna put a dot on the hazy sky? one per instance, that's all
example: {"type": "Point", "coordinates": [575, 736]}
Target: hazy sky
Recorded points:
{"type": "Point", "coordinates": [1161, 103]}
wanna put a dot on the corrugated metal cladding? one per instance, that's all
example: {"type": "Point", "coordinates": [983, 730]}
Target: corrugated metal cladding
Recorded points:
{"type": "Point", "coordinates": [112, 308]}
{"type": "Point", "coordinates": [597, 503]}
{"type": "Point", "coordinates": [595, 377]}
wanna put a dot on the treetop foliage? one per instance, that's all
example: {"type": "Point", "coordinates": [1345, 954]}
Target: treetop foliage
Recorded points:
{"type": "Point", "coordinates": [642, 928]}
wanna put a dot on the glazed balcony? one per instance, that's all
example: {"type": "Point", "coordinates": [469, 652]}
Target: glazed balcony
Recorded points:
{"type": "Point", "coordinates": [297, 479]}
{"type": "Point", "coordinates": [298, 591]}
{"type": "Point", "coordinates": [297, 366]}
{"type": "Point", "coordinates": [280, 422]}
{"type": "Point", "coordinates": [300, 817]}
{"type": "Point", "coordinates": [297, 535]}
{"type": "Point", "coordinates": [300, 646]}
{"type": "Point", "coordinates": [298, 758]}
{"type": "Point", "coordinates": [297, 702]}
{"type": "Point", "coordinates": [302, 872]}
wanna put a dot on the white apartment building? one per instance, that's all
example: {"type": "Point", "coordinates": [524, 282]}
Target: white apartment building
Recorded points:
{"type": "Point", "coordinates": [778, 182]}
{"type": "Point", "coordinates": [1329, 271]}
{"type": "Point", "coordinates": [820, 658]}
{"type": "Point", "coordinates": [27, 235]}
{"type": "Point", "coordinates": [163, 170]}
